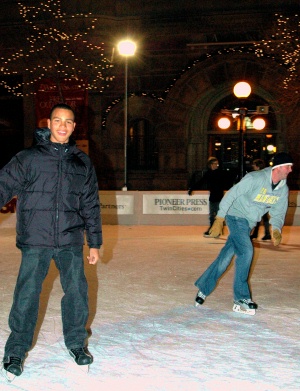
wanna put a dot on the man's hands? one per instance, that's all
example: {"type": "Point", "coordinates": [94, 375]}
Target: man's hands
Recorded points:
{"type": "Point", "coordinates": [217, 227]}
{"type": "Point", "coordinates": [276, 237]}
{"type": "Point", "coordinates": [94, 256]}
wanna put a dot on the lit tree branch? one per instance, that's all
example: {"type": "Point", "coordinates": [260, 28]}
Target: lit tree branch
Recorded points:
{"type": "Point", "coordinates": [57, 47]}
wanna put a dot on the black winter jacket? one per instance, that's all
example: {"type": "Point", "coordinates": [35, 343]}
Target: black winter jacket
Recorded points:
{"type": "Point", "coordinates": [57, 195]}
{"type": "Point", "coordinates": [212, 180]}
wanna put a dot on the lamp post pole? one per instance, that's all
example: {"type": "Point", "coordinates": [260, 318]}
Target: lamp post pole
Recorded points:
{"type": "Point", "coordinates": [241, 127]}
{"type": "Point", "coordinates": [126, 48]}
{"type": "Point", "coordinates": [125, 123]}
{"type": "Point", "coordinates": [241, 90]}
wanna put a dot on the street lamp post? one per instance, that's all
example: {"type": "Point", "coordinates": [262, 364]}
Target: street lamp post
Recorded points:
{"type": "Point", "coordinates": [241, 90]}
{"type": "Point", "coordinates": [126, 48]}
{"type": "Point", "coordinates": [241, 128]}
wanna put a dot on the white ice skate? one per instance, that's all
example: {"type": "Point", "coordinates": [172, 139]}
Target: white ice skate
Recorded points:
{"type": "Point", "coordinates": [199, 299]}
{"type": "Point", "coordinates": [244, 306]}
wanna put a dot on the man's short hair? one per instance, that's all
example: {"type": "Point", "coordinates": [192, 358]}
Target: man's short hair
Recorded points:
{"type": "Point", "coordinates": [61, 106]}
{"type": "Point", "coordinates": [259, 163]}
{"type": "Point", "coordinates": [211, 160]}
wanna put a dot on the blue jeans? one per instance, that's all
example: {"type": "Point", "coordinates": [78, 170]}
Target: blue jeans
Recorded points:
{"type": "Point", "coordinates": [74, 305]}
{"type": "Point", "coordinates": [239, 244]}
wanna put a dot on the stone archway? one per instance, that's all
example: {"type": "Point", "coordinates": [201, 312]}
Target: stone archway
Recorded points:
{"type": "Point", "coordinates": [198, 91]}
{"type": "Point", "coordinates": [181, 121]}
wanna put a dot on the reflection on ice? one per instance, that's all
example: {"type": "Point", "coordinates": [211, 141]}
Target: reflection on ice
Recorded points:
{"type": "Point", "coordinates": [146, 333]}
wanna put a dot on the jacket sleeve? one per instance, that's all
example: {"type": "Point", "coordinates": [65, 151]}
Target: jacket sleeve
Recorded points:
{"type": "Point", "coordinates": [90, 209]}
{"type": "Point", "coordinates": [12, 179]}
{"type": "Point", "coordinates": [278, 211]}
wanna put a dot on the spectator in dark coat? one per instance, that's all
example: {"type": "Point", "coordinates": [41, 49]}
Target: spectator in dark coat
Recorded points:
{"type": "Point", "coordinates": [212, 180]}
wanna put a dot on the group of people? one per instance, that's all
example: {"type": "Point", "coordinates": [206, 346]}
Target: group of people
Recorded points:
{"type": "Point", "coordinates": [261, 193]}
{"type": "Point", "coordinates": [58, 207]}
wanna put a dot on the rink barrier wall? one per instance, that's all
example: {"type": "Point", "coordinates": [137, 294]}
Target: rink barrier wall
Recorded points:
{"type": "Point", "coordinates": [155, 208]}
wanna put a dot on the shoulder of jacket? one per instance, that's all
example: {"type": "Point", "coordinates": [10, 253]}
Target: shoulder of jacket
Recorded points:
{"type": "Point", "coordinates": [86, 160]}
{"type": "Point", "coordinates": [25, 154]}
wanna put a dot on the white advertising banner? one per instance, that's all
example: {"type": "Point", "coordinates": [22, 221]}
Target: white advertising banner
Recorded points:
{"type": "Point", "coordinates": [117, 204]}
{"type": "Point", "coordinates": [175, 204]}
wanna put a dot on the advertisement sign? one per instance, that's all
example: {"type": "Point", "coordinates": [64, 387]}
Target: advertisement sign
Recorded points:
{"type": "Point", "coordinates": [141, 204]}
{"type": "Point", "coordinates": [71, 92]}
{"type": "Point", "coordinates": [175, 204]}
{"type": "Point", "coordinates": [117, 204]}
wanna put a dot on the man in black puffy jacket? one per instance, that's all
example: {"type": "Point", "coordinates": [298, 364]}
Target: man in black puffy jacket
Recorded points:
{"type": "Point", "coordinates": [57, 205]}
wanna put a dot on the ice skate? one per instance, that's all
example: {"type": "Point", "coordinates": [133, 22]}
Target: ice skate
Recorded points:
{"type": "Point", "coordinates": [12, 367]}
{"type": "Point", "coordinates": [206, 234]}
{"type": "Point", "coordinates": [244, 306]}
{"type": "Point", "coordinates": [266, 237]}
{"type": "Point", "coordinates": [82, 357]}
{"type": "Point", "coordinates": [199, 299]}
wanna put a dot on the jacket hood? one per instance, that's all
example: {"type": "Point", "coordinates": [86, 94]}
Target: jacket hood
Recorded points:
{"type": "Point", "coordinates": [42, 136]}
{"type": "Point", "coordinates": [282, 183]}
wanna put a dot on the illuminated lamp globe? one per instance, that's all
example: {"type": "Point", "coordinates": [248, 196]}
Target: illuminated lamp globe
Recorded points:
{"type": "Point", "coordinates": [224, 123]}
{"type": "Point", "coordinates": [259, 123]}
{"type": "Point", "coordinates": [242, 89]}
{"type": "Point", "coordinates": [127, 48]}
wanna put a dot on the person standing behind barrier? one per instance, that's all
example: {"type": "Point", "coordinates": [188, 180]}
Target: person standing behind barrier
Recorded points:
{"type": "Point", "coordinates": [212, 180]}
{"type": "Point", "coordinates": [259, 164]}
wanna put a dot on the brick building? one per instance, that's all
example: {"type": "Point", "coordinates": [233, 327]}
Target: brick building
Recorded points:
{"type": "Point", "coordinates": [189, 56]}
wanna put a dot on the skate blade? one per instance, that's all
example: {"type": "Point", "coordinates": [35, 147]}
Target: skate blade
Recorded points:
{"type": "Point", "coordinates": [10, 377]}
{"type": "Point", "coordinates": [239, 309]}
{"type": "Point", "coordinates": [82, 368]}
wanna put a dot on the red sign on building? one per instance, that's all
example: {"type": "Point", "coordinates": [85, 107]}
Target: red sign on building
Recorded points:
{"type": "Point", "coordinates": [71, 92]}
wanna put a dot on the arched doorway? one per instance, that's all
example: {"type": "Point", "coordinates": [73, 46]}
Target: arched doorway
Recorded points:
{"type": "Point", "coordinates": [206, 139]}
{"type": "Point", "coordinates": [257, 144]}
{"type": "Point", "coordinates": [201, 92]}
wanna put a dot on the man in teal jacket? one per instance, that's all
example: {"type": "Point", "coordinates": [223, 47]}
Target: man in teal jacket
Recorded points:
{"type": "Point", "coordinates": [242, 207]}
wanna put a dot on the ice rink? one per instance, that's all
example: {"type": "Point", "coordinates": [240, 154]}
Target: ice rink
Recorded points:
{"type": "Point", "coordinates": [146, 333]}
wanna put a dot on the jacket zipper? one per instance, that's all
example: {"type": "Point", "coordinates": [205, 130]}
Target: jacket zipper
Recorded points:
{"type": "Point", "coordinates": [56, 234]}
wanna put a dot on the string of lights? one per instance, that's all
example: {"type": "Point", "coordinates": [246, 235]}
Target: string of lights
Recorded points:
{"type": "Point", "coordinates": [51, 50]}
{"type": "Point", "coordinates": [284, 45]}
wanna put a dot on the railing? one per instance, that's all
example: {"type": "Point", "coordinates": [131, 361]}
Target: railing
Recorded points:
{"type": "Point", "coordinates": [155, 208]}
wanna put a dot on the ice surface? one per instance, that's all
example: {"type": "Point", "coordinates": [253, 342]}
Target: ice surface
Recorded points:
{"type": "Point", "coordinates": [146, 335]}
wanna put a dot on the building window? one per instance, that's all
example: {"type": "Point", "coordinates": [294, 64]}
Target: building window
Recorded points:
{"type": "Point", "coordinates": [142, 151]}
{"type": "Point", "coordinates": [224, 144]}
{"type": "Point", "coordinates": [226, 148]}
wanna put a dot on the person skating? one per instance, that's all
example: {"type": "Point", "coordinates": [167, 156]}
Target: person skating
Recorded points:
{"type": "Point", "coordinates": [57, 205]}
{"type": "Point", "coordinates": [242, 207]}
